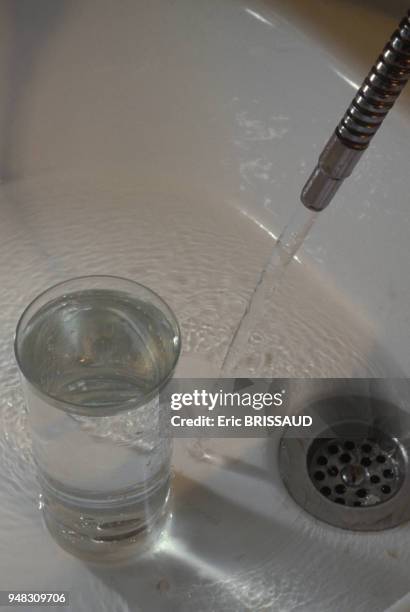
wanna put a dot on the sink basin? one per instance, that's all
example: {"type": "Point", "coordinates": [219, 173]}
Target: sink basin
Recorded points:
{"type": "Point", "coordinates": [168, 143]}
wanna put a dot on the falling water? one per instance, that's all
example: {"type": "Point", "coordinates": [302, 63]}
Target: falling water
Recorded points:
{"type": "Point", "coordinates": [287, 245]}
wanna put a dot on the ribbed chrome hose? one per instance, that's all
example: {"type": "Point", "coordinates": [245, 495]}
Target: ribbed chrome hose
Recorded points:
{"type": "Point", "coordinates": [369, 107]}
{"type": "Point", "coordinates": [379, 90]}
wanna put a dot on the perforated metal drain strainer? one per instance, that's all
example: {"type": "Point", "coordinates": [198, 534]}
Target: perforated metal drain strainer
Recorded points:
{"type": "Point", "coordinates": [351, 468]}
{"type": "Point", "coordinates": [357, 472]}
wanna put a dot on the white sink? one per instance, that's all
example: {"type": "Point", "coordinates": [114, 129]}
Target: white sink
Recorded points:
{"type": "Point", "coordinates": [168, 142]}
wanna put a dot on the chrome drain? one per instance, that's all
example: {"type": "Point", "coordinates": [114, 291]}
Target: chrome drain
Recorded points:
{"type": "Point", "coordinates": [351, 469]}
{"type": "Point", "coordinates": [356, 472]}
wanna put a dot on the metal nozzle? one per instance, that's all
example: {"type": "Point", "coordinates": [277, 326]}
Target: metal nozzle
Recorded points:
{"type": "Point", "coordinates": [336, 163]}
{"type": "Point", "coordinates": [374, 99]}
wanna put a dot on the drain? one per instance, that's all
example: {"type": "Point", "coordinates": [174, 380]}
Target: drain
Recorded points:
{"type": "Point", "coordinates": [351, 469]}
{"type": "Point", "coordinates": [359, 472]}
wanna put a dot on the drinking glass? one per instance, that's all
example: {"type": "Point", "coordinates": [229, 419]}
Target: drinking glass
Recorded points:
{"type": "Point", "coordinates": [93, 354]}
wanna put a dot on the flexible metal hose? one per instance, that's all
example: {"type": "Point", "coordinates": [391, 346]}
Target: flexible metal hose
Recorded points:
{"type": "Point", "coordinates": [379, 90]}
{"type": "Point", "coordinates": [365, 114]}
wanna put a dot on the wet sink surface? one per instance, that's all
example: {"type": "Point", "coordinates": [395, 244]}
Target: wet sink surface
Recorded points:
{"type": "Point", "coordinates": [236, 540]}
{"type": "Point", "coordinates": [177, 168]}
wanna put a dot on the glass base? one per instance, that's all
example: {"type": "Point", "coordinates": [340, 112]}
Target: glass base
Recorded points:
{"type": "Point", "coordinates": [105, 536]}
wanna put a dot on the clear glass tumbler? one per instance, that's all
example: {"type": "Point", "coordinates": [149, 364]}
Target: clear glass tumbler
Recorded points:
{"type": "Point", "coordinates": [93, 354]}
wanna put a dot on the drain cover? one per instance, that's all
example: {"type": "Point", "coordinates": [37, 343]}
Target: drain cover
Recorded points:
{"type": "Point", "coordinates": [356, 472]}
{"type": "Point", "coordinates": [350, 469]}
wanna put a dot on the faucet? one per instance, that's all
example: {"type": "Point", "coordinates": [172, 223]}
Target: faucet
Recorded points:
{"type": "Point", "coordinates": [375, 97]}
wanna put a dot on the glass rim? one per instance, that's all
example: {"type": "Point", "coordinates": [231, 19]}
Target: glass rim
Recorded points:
{"type": "Point", "coordinates": [129, 404]}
